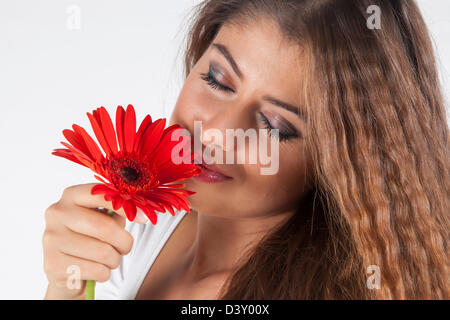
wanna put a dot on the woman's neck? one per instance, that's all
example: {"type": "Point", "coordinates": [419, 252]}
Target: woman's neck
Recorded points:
{"type": "Point", "coordinates": [221, 242]}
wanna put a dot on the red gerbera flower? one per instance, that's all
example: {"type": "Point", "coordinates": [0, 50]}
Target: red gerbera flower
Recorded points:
{"type": "Point", "coordinates": [139, 171]}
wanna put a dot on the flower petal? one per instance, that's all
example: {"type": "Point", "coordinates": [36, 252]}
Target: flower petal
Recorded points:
{"type": "Point", "coordinates": [102, 180]}
{"type": "Point", "coordinates": [142, 128]}
{"type": "Point", "coordinates": [100, 189]}
{"type": "Point", "coordinates": [108, 129]}
{"type": "Point", "coordinates": [178, 185]}
{"type": "Point", "coordinates": [163, 151]}
{"type": "Point", "coordinates": [170, 209]}
{"type": "Point", "coordinates": [108, 197]}
{"type": "Point", "coordinates": [99, 134]}
{"type": "Point", "coordinates": [90, 143]}
{"type": "Point", "coordinates": [83, 158]}
{"type": "Point", "coordinates": [168, 198]}
{"type": "Point", "coordinates": [77, 141]}
{"type": "Point", "coordinates": [152, 137]}
{"type": "Point", "coordinates": [151, 215]}
{"type": "Point", "coordinates": [130, 128]}
{"type": "Point", "coordinates": [177, 173]}
{"type": "Point", "coordinates": [117, 202]}
{"type": "Point", "coordinates": [120, 115]}
{"type": "Point", "coordinates": [130, 209]}
{"type": "Point", "coordinates": [67, 154]}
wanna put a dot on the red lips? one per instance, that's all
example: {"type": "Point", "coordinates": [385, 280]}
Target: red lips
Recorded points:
{"type": "Point", "coordinates": [210, 173]}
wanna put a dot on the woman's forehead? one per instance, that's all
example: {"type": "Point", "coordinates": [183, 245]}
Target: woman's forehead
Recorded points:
{"type": "Point", "coordinates": [262, 40]}
{"type": "Point", "coordinates": [264, 56]}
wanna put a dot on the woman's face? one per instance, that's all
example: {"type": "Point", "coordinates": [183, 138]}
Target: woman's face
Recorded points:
{"type": "Point", "coordinates": [247, 79]}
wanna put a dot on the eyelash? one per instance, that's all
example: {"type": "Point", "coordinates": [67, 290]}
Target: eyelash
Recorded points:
{"type": "Point", "coordinates": [213, 83]}
{"type": "Point", "coordinates": [281, 135]}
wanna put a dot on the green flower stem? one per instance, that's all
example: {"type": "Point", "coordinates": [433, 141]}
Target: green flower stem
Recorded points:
{"type": "Point", "coordinates": [90, 290]}
{"type": "Point", "coordinates": [90, 284]}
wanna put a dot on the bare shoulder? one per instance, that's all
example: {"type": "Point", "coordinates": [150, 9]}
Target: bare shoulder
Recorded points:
{"type": "Point", "coordinates": [166, 263]}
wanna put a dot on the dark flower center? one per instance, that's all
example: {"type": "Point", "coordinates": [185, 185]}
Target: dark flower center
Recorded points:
{"type": "Point", "coordinates": [129, 174]}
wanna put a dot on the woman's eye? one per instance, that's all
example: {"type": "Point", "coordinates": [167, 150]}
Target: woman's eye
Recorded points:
{"type": "Point", "coordinates": [282, 135]}
{"type": "Point", "coordinates": [211, 80]}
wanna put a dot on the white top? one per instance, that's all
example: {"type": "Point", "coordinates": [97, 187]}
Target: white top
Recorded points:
{"type": "Point", "coordinates": [149, 239]}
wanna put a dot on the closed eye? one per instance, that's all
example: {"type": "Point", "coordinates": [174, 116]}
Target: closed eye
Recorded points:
{"type": "Point", "coordinates": [282, 135]}
{"type": "Point", "coordinates": [211, 80]}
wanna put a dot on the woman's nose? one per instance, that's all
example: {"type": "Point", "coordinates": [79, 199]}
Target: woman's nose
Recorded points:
{"type": "Point", "coordinates": [227, 121]}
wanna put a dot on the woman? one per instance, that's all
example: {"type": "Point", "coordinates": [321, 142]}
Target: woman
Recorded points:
{"type": "Point", "coordinates": [359, 206]}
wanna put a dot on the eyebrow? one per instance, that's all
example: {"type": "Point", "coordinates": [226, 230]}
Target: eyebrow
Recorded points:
{"type": "Point", "coordinates": [224, 51]}
{"type": "Point", "coordinates": [299, 112]}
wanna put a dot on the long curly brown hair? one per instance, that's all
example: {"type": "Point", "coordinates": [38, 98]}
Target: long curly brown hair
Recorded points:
{"type": "Point", "coordinates": [378, 134]}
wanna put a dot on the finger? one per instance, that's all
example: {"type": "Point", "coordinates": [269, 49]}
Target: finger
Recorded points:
{"type": "Point", "coordinates": [88, 248]}
{"type": "Point", "coordinates": [54, 213]}
{"type": "Point", "coordinates": [121, 221]}
{"type": "Point", "coordinates": [81, 196]}
{"type": "Point", "coordinates": [64, 266]}
{"type": "Point", "coordinates": [97, 225]}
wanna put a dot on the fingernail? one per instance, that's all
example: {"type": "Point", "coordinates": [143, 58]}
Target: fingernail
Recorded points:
{"type": "Point", "coordinates": [141, 218]}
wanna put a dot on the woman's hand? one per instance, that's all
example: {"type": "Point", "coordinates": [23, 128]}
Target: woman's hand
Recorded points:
{"type": "Point", "coordinates": [79, 236]}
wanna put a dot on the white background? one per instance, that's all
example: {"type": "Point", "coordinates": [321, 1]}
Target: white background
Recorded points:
{"type": "Point", "coordinates": [50, 75]}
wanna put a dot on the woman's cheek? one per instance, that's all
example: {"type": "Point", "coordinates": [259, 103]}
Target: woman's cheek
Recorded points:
{"type": "Point", "coordinates": [193, 102]}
